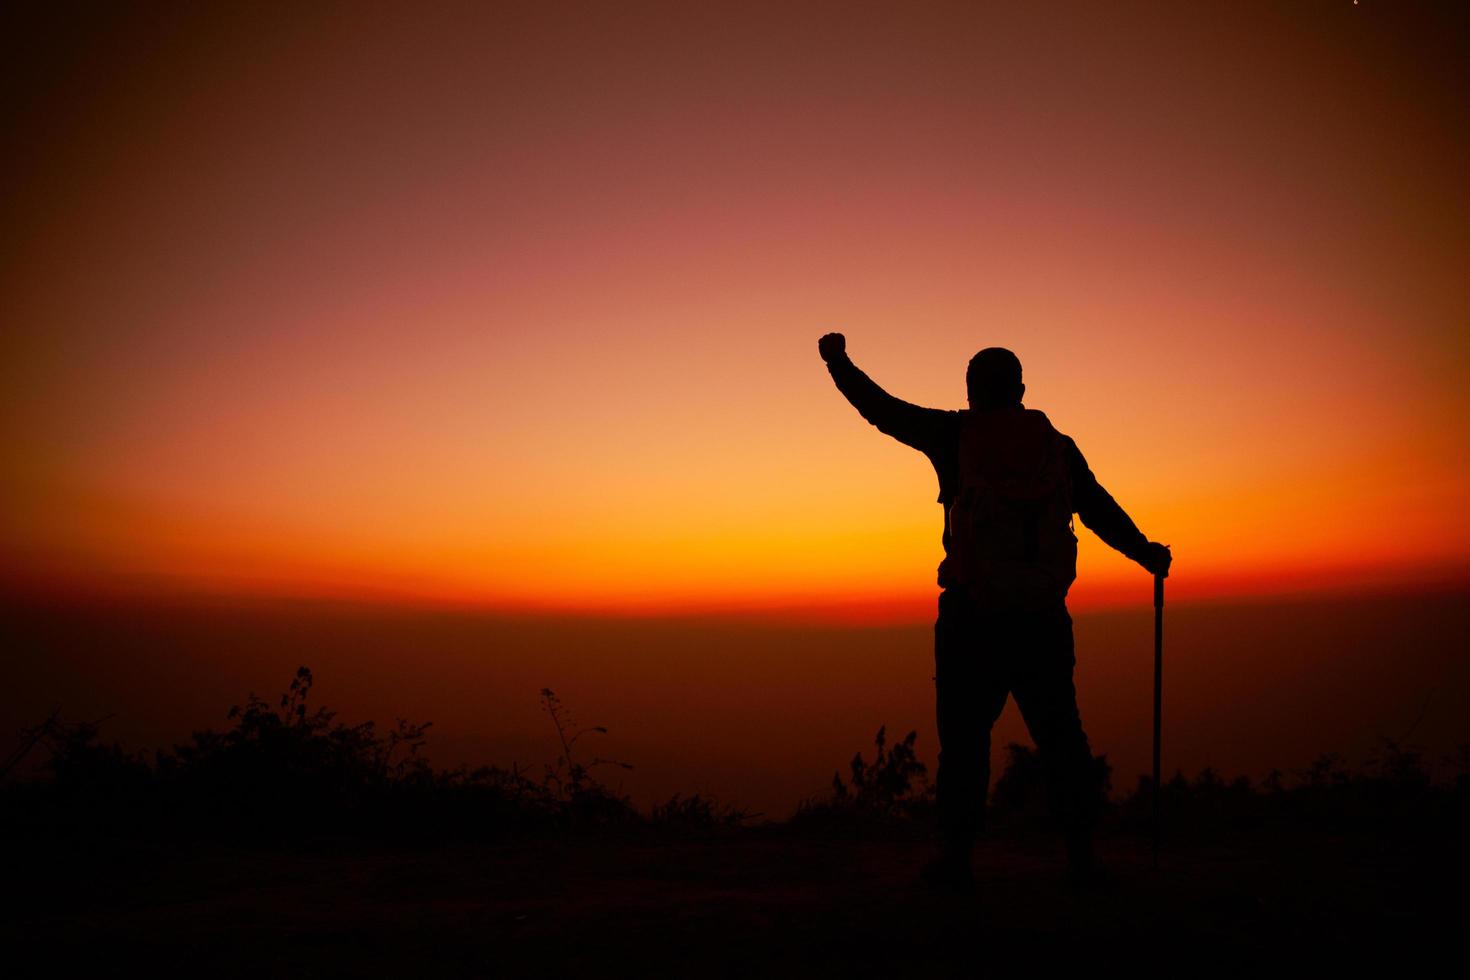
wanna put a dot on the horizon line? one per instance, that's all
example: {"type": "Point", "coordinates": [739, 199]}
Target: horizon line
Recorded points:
{"type": "Point", "coordinates": [866, 610]}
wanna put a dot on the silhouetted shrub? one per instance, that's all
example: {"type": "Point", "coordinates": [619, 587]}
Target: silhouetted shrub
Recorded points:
{"type": "Point", "coordinates": [290, 770]}
{"type": "Point", "coordinates": [88, 777]}
{"type": "Point", "coordinates": [892, 782]}
{"type": "Point", "coordinates": [1327, 771]}
{"type": "Point", "coordinates": [696, 813]}
{"type": "Point", "coordinates": [289, 765]}
{"type": "Point", "coordinates": [1399, 766]}
{"type": "Point", "coordinates": [894, 787]}
{"type": "Point", "coordinates": [584, 801]}
{"type": "Point", "coordinates": [1391, 796]}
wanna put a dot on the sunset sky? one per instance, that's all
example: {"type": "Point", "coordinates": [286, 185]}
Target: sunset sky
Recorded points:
{"type": "Point", "coordinates": [517, 305]}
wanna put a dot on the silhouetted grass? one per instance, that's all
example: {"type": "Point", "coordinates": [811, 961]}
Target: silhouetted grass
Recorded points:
{"type": "Point", "coordinates": [289, 771]}
{"type": "Point", "coordinates": [890, 794]}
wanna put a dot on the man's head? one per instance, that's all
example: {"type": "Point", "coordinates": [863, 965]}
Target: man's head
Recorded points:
{"type": "Point", "coordinates": [994, 379]}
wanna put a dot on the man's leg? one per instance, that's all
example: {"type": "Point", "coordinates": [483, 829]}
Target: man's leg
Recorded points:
{"type": "Point", "coordinates": [969, 696]}
{"type": "Point", "coordinates": [1047, 697]}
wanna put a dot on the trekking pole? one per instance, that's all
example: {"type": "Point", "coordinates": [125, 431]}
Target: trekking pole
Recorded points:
{"type": "Point", "coordinates": [1158, 699]}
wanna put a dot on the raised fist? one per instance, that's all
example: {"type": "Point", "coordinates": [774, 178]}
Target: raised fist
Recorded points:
{"type": "Point", "coordinates": [832, 345]}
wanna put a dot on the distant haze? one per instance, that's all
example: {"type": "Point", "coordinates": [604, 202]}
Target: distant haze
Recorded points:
{"type": "Point", "coordinates": [756, 713]}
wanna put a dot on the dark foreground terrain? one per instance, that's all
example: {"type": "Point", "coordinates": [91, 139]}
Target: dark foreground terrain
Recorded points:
{"type": "Point", "coordinates": [293, 844]}
{"type": "Point", "coordinates": [755, 901]}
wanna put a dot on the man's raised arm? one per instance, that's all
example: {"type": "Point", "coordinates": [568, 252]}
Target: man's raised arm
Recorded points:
{"type": "Point", "coordinates": [912, 425]}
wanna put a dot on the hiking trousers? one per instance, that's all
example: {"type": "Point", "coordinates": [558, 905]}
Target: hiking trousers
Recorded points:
{"type": "Point", "coordinates": [981, 656]}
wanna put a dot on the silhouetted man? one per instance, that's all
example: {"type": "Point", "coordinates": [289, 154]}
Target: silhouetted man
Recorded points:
{"type": "Point", "coordinates": [1009, 484]}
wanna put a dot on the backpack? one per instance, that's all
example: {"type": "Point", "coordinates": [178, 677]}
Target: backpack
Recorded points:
{"type": "Point", "coordinates": [1010, 522]}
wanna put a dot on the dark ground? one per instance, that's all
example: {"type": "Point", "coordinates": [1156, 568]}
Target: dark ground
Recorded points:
{"type": "Point", "coordinates": [757, 901]}
{"type": "Point", "coordinates": [120, 865]}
